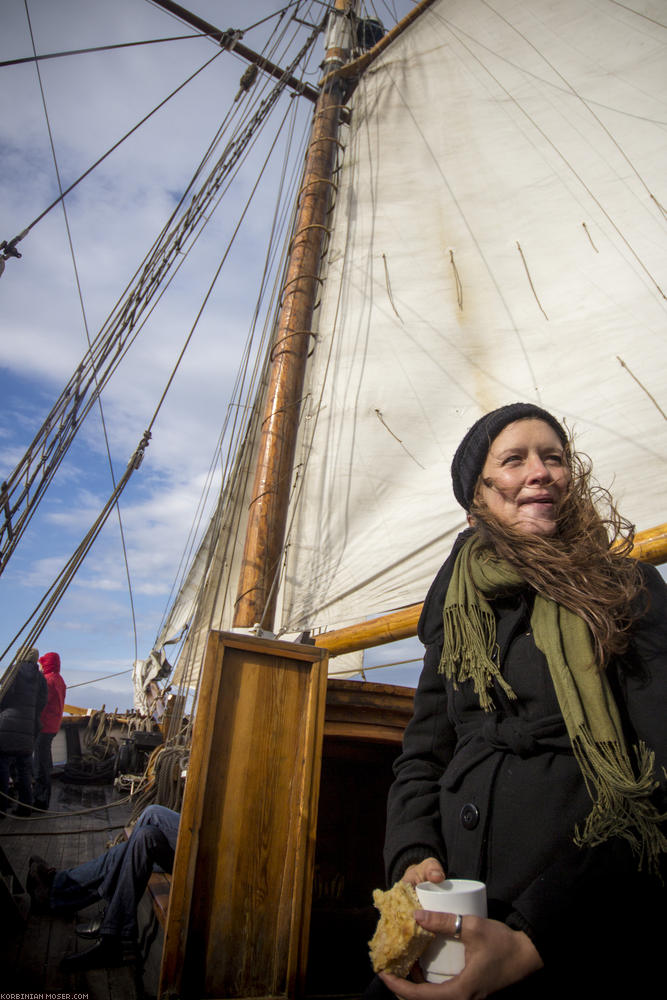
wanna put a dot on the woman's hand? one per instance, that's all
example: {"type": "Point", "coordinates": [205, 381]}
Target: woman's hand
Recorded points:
{"type": "Point", "coordinates": [496, 956]}
{"type": "Point", "coordinates": [429, 870]}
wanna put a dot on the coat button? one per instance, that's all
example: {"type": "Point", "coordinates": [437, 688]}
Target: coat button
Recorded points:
{"type": "Point", "coordinates": [469, 816]}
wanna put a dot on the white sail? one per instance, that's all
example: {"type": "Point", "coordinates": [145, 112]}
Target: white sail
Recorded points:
{"type": "Point", "coordinates": [207, 596]}
{"type": "Point", "coordinates": [498, 235]}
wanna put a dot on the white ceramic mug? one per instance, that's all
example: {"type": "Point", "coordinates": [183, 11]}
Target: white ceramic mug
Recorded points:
{"type": "Point", "coordinates": [445, 957]}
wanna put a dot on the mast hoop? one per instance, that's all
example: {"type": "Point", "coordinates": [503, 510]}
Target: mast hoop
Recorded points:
{"type": "Point", "coordinates": [295, 333]}
{"type": "Point", "coordinates": [315, 180]}
{"type": "Point", "coordinates": [326, 138]}
{"type": "Point", "coordinates": [292, 281]}
{"type": "Point", "coordinates": [304, 229]}
{"type": "Point", "coordinates": [344, 117]}
{"type": "Point", "coordinates": [284, 408]}
{"type": "Point", "coordinates": [260, 496]}
{"type": "Point", "coordinates": [322, 112]}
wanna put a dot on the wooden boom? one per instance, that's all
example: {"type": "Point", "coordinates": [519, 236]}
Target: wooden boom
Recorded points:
{"type": "Point", "coordinates": [650, 546]}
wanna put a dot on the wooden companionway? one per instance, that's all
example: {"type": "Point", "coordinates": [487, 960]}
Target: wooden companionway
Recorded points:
{"type": "Point", "coordinates": [237, 922]}
{"type": "Point", "coordinates": [283, 818]}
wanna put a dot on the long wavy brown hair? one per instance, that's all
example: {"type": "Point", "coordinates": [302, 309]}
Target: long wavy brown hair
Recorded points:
{"type": "Point", "coordinates": [584, 566]}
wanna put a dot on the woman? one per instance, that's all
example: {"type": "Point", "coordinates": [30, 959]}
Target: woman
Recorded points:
{"type": "Point", "coordinates": [534, 759]}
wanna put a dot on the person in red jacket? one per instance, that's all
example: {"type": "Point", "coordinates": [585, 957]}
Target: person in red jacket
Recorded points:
{"type": "Point", "coordinates": [51, 718]}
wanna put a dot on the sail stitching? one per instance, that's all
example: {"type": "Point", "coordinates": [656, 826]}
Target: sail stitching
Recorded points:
{"type": "Point", "coordinates": [571, 89]}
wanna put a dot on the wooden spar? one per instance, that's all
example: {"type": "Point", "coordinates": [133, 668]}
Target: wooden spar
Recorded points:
{"type": "Point", "coordinates": [650, 546]}
{"type": "Point", "coordinates": [401, 624]}
{"type": "Point", "coordinates": [230, 39]}
{"type": "Point", "coordinates": [265, 533]}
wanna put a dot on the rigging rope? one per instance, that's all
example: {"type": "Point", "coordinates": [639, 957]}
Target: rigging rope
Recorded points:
{"type": "Point", "coordinates": [85, 323]}
{"type": "Point", "coordinates": [52, 597]}
{"type": "Point", "coordinates": [8, 247]}
{"type": "Point", "coordinates": [225, 523]}
{"type": "Point", "coordinates": [282, 12]}
{"type": "Point", "coordinates": [96, 680]}
{"type": "Point", "coordinates": [96, 48]}
{"type": "Point", "coordinates": [21, 493]}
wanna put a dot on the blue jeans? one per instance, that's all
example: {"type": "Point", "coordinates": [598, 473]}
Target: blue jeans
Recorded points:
{"type": "Point", "coordinates": [121, 874]}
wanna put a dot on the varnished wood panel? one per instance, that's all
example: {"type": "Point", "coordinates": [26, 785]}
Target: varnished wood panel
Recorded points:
{"type": "Point", "coordinates": [240, 901]}
{"type": "Point", "coordinates": [365, 711]}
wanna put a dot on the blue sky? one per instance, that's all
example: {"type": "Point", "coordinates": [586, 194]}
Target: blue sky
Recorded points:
{"type": "Point", "coordinates": [114, 216]}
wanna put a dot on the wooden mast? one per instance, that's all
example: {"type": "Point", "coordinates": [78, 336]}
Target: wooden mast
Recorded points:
{"type": "Point", "coordinates": [256, 596]}
{"type": "Point", "coordinates": [239, 909]}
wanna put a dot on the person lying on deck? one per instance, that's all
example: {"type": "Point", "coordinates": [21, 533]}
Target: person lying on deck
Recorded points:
{"type": "Point", "coordinates": [119, 876]}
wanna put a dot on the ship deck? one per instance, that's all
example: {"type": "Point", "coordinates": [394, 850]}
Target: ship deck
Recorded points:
{"type": "Point", "coordinates": [82, 821]}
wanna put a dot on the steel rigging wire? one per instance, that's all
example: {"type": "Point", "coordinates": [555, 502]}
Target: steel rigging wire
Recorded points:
{"type": "Point", "coordinates": [22, 491]}
{"type": "Point", "coordinates": [70, 420]}
{"type": "Point", "coordinates": [235, 467]}
{"type": "Point", "coordinates": [85, 324]}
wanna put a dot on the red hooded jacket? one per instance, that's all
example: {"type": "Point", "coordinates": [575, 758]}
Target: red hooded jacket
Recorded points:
{"type": "Point", "coordinates": [53, 711]}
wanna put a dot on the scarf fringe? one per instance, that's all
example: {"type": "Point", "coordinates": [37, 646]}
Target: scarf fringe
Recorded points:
{"type": "Point", "coordinates": [468, 649]}
{"type": "Point", "coordinates": [622, 807]}
{"type": "Point", "coordinates": [621, 793]}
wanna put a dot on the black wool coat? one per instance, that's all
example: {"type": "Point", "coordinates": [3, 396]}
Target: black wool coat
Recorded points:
{"type": "Point", "coordinates": [496, 796]}
{"type": "Point", "coordinates": [21, 708]}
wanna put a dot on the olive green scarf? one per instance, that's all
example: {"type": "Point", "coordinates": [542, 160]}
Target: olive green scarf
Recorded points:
{"type": "Point", "coordinates": [621, 798]}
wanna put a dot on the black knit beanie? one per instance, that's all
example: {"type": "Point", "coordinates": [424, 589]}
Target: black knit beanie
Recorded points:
{"type": "Point", "coordinates": [471, 453]}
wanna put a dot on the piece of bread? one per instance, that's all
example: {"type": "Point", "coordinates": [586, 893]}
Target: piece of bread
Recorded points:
{"type": "Point", "coordinates": [398, 940]}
